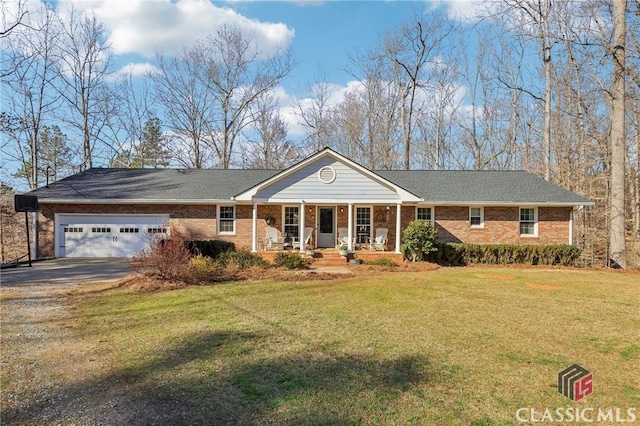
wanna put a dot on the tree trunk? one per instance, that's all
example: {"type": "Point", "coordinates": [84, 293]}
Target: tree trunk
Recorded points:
{"type": "Point", "coordinates": [547, 105]}
{"type": "Point", "coordinates": [636, 210]}
{"type": "Point", "coordinates": [617, 226]}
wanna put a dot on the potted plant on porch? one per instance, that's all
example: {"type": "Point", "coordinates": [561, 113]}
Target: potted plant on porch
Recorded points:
{"type": "Point", "coordinates": [308, 249]}
{"type": "Point", "coordinates": [342, 249]}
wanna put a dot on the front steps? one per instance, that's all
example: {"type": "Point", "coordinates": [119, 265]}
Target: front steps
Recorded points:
{"type": "Point", "coordinates": [327, 258]}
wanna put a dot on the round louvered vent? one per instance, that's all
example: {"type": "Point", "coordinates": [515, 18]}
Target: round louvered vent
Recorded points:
{"type": "Point", "coordinates": [327, 174]}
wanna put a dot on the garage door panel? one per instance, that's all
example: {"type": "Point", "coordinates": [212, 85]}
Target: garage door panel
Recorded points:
{"type": "Point", "coordinates": [105, 235]}
{"type": "Point", "coordinates": [73, 235]}
{"type": "Point", "coordinates": [128, 241]}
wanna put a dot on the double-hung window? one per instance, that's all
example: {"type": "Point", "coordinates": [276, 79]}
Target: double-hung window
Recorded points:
{"type": "Point", "coordinates": [363, 224]}
{"type": "Point", "coordinates": [528, 222]}
{"type": "Point", "coordinates": [476, 217]}
{"type": "Point", "coordinates": [226, 219]}
{"type": "Point", "coordinates": [425, 213]}
{"type": "Point", "coordinates": [291, 222]}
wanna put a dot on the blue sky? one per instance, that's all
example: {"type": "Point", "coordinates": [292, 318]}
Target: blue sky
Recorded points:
{"type": "Point", "coordinates": [320, 34]}
{"type": "Point", "coordinates": [325, 34]}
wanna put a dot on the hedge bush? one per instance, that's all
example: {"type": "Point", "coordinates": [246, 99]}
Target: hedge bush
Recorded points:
{"type": "Point", "coordinates": [210, 248]}
{"type": "Point", "coordinates": [291, 260]}
{"type": "Point", "coordinates": [381, 261]}
{"type": "Point", "coordinates": [201, 268]}
{"type": "Point", "coordinates": [504, 254]}
{"type": "Point", "coordinates": [241, 259]}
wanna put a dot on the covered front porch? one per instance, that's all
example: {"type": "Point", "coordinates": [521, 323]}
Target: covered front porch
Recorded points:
{"type": "Point", "coordinates": [326, 201]}
{"type": "Point", "coordinates": [354, 227]}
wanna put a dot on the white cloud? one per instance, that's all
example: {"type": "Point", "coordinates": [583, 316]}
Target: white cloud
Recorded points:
{"type": "Point", "coordinates": [467, 10]}
{"type": "Point", "coordinates": [134, 69]}
{"type": "Point", "coordinates": [146, 26]}
{"type": "Point", "coordinates": [290, 106]}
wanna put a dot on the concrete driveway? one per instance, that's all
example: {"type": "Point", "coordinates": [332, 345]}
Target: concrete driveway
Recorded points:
{"type": "Point", "coordinates": [67, 270]}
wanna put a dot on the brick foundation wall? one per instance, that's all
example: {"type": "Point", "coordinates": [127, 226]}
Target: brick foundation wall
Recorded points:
{"type": "Point", "coordinates": [501, 224]}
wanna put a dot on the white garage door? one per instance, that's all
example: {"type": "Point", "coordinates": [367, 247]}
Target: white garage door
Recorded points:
{"type": "Point", "coordinates": [106, 235]}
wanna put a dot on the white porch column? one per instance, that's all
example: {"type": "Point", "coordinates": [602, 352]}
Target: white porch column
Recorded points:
{"type": "Point", "coordinates": [398, 227]}
{"type": "Point", "coordinates": [350, 228]}
{"type": "Point", "coordinates": [254, 228]}
{"type": "Point", "coordinates": [571, 228]}
{"type": "Point", "coordinates": [301, 227]}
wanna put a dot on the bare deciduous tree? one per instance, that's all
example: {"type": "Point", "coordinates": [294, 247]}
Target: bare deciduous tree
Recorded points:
{"type": "Point", "coordinates": [267, 146]}
{"type": "Point", "coordinates": [29, 99]}
{"type": "Point", "coordinates": [187, 103]}
{"type": "Point", "coordinates": [411, 51]}
{"type": "Point", "coordinates": [376, 102]}
{"type": "Point", "coordinates": [208, 90]}
{"type": "Point", "coordinates": [82, 79]}
{"type": "Point", "coordinates": [133, 109]}
{"type": "Point", "coordinates": [12, 19]}
{"type": "Point", "coordinates": [237, 74]}
{"type": "Point", "coordinates": [535, 18]}
{"type": "Point", "coordinates": [315, 115]}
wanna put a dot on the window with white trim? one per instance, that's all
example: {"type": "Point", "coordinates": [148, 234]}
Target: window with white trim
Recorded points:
{"type": "Point", "coordinates": [476, 217]}
{"type": "Point", "coordinates": [291, 222]}
{"type": "Point", "coordinates": [363, 224]}
{"type": "Point", "coordinates": [425, 213]}
{"type": "Point", "coordinates": [528, 222]}
{"type": "Point", "coordinates": [226, 219]}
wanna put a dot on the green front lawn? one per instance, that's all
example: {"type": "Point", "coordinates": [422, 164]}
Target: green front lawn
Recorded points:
{"type": "Point", "coordinates": [452, 346]}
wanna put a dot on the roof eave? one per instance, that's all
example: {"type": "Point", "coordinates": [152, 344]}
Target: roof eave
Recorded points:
{"type": "Point", "coordinates": [511, 204]}
{"type": "Point", "coordinates": [131, 201]}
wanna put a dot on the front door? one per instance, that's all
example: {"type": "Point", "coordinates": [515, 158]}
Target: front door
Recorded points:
{"type": "Point", "coordinates": [326, 229]}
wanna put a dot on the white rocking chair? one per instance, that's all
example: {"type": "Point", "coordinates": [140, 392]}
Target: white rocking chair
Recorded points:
{"type": "Point", "coordinates": [272, 241]}
{"type": "Point", "coordinates": [306, 237]}
{"type": "Point", "coordinates": [380, 240]}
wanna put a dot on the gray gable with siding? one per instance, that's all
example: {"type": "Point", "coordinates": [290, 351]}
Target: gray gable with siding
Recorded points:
{"type": "Point", "coordinates": [349, 185]}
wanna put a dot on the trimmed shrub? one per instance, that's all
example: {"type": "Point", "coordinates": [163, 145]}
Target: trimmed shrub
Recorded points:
{"type": "Point", "coordinates": [503, 254]}
{"type": "Point", "coordinates": [418, 240]}
{"type": "Point", "coordinates": [202, 267]}
{"type": "Point", "coordinates": [381, 261]}
{"type": "Point", "coordinates": [166, 258]}
{"type": "Point", "coordinates": [210, 248]}
{"type": "Point", "coordinates": [291, 260]}
{"type": "Point", "coordinates": [241, 259]}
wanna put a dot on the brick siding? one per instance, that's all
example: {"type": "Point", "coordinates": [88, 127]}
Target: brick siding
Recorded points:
{"type": "Point", "coordinates": [501, 224]}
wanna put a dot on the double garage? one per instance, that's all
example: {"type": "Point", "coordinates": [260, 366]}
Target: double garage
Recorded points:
{"type": "Point", "coordinates": [80, 235]}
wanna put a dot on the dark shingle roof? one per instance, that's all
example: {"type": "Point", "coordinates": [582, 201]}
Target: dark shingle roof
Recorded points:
{"type": "Point", "coordinates": [122, 185]}
{"type": "Point", "coordinates": [481, 186]}
{"type": "Point", "coordinates": [153, 184]}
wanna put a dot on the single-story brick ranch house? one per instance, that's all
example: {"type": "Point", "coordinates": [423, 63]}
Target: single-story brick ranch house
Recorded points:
{"type": "Point", "coordinates": [110, 212]}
